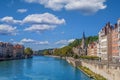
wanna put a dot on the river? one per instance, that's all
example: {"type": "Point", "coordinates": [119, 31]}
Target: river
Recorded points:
{"type": "Point", "coordinates": [40, 68]}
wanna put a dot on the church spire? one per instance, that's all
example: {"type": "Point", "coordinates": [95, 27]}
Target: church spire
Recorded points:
{"type": "Point", "coordinates": [83, 46]}
{"type": "Point", "coordinates": [83, 41]}
{"type": "Point", "coordinates": [83, 35]}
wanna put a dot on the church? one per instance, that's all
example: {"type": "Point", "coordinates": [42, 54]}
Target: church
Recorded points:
{"type": "Point", "coordinates": [81, 49]}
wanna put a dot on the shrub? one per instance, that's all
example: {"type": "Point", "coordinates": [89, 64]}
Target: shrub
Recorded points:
{"type": "Point", "coordinates": [90, 57]}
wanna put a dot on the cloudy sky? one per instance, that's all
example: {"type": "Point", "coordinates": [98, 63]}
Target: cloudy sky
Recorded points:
{"type": "Point", "coordinates": [42, 24]}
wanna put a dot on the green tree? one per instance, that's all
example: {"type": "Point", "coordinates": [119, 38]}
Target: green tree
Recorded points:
{"type": "Point", "coordinates": [75, 43]}
{"type": "Point", "coordinates": [28, 51]}
{"type": "Point", "coordinates": [57, 52]}
{"type": "Point", "coordinates": [46, 52]}
{"type": "Point", "coordinates": [66, 51]}
{"type": "Point", "coordinates": [91, 39]}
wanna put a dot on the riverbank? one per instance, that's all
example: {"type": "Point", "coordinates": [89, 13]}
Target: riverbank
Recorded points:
{"type": "Point", "coordinates": [8, 59]}
{"type": "Point", "coordinates": [56, 56]}
{"type": "Point", "coordinates": [78, 63]}
{"type": "Point", "coordinates": [91, 74]}
{"type": "Point", "coordinates": [99, 69]}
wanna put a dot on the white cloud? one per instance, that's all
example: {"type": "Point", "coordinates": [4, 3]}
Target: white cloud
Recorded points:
{"type": "Point", "coordinates": [11, 40]}
{"type": "Point", "coordinates": [25, 40]}
{"type": "Point", "coordinates": [22, 10]}
{"type": "Point", "coordinates": [38, 22]}
{"type": "Point", "coordinates": [71, 40]}
{"type": "Point", "coordinates": [84, 6]}
{"type": "Point", "coordinates": [62, 46]}
{"type": "Point", "coordinates": [7, 30]}
{"type": "Point", "coordinates": [15, 42]}
{"type": "Point", "coordinates": [42, 42]}
{"type": "Point", "coordinates": [9, 19]}
{"type": "Point", "coordinates": [39, 28]}
{"type": "Point", "coordinates": [45, 18]}
{"type": "Point", "coordinates": [42, 22]}
{"type": "Point", "coordinates": [64, 42]}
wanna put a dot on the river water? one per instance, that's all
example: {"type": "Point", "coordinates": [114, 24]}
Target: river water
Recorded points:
{"type": "Point", "coordinates": [40, 68]}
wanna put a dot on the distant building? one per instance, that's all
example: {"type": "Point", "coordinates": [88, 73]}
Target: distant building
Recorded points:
{"type": "Point", "coordinates": [6, 49]}
{"type": "Point", "coordinates": [18, 50]}
{"type": "Point", "coordinates": [2, 49]}
{"type": "Point", "coordinates": [92, 49]}
{"type": "Point", "coordinates": [9, 50]}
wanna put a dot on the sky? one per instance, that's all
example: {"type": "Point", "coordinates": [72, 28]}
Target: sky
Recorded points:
{"type": "Point", "coordinates": [41, 24]}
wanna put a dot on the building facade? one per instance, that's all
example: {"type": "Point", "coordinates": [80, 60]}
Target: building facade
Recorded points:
{"type": "Point", "coordinates": [116, 42]}
{"type": "Point", "coordinates": [6, 49]}
{"type": "Point", "coordinates": [109, 42]}
{"type": "Point", "coordinates": [92, 49]}
{"type": "Point", "coordinates": [18, 50]}
{"type": "Point", "coordinates": [105, 42]}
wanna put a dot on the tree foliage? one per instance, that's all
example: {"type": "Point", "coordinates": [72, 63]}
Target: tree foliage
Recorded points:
{"type": "Point", "coordinates": [65, 51]}
{"type": "Point", "coordinates": [75, 43]}
{"type": "Point", "coordinates": [46, 52]}
{"type": "Point", "coordinates": [28, 51]}
{"type": "Point", "coordinates": [88, 40]}
{"type": "Point", "coordinates": [91, 39]}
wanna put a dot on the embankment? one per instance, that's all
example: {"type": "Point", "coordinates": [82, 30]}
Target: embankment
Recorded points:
{"type": "Point", "coordinates": [110, 72]}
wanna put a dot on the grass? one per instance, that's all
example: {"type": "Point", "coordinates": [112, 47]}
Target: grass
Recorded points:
{"type": "Point", "coordinates": [90, 57]}
{"type": "Point", "coordinates": [91, 74]}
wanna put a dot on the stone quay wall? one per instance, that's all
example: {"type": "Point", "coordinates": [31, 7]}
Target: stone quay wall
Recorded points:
{"type": "Point", "coordinates": [109, 71]}
{"type": "Point", "coordinates": [74, 62]}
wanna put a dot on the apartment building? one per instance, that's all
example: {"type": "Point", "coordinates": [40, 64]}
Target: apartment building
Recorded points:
{"type": "Point", "coordinates": [115, 40]}
{"type": "Point", "coordinates": [6, 49]}
{"type": "Point", "coordinates": [18, 50]}
{"type": "Point", "coordinates": [105, 42]}
{"type": "Point", "coordinates": [92, 49]}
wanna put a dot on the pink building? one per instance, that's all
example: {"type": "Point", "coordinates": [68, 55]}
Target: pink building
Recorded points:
{"type": "Point", "coordinates": [18, 50]}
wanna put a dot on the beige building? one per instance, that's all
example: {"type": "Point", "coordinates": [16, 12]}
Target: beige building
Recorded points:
{"type": "Point", "coordinates": [105, 42]}
{"type": "Point", "coordinates": [92, 49]}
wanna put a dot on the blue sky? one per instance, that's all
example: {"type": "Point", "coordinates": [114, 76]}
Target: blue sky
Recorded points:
{"type": "Point", "coordinates": [41, 24]}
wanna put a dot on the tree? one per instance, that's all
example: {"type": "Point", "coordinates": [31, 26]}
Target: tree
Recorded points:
{"type": "Point", "coordinates": [28, 51]}
{"type": "Point", "coordinates": [65, 51]}
{"type": "Point", "coordinates": [46, 52]}
{"type": "Point", "coordinates": [57, 52]}
{"type": "Point", "coordinates": [75, 43]}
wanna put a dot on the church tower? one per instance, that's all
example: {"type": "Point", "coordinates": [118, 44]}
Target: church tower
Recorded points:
{"type": "Point", "coordinates": [83, 45]}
